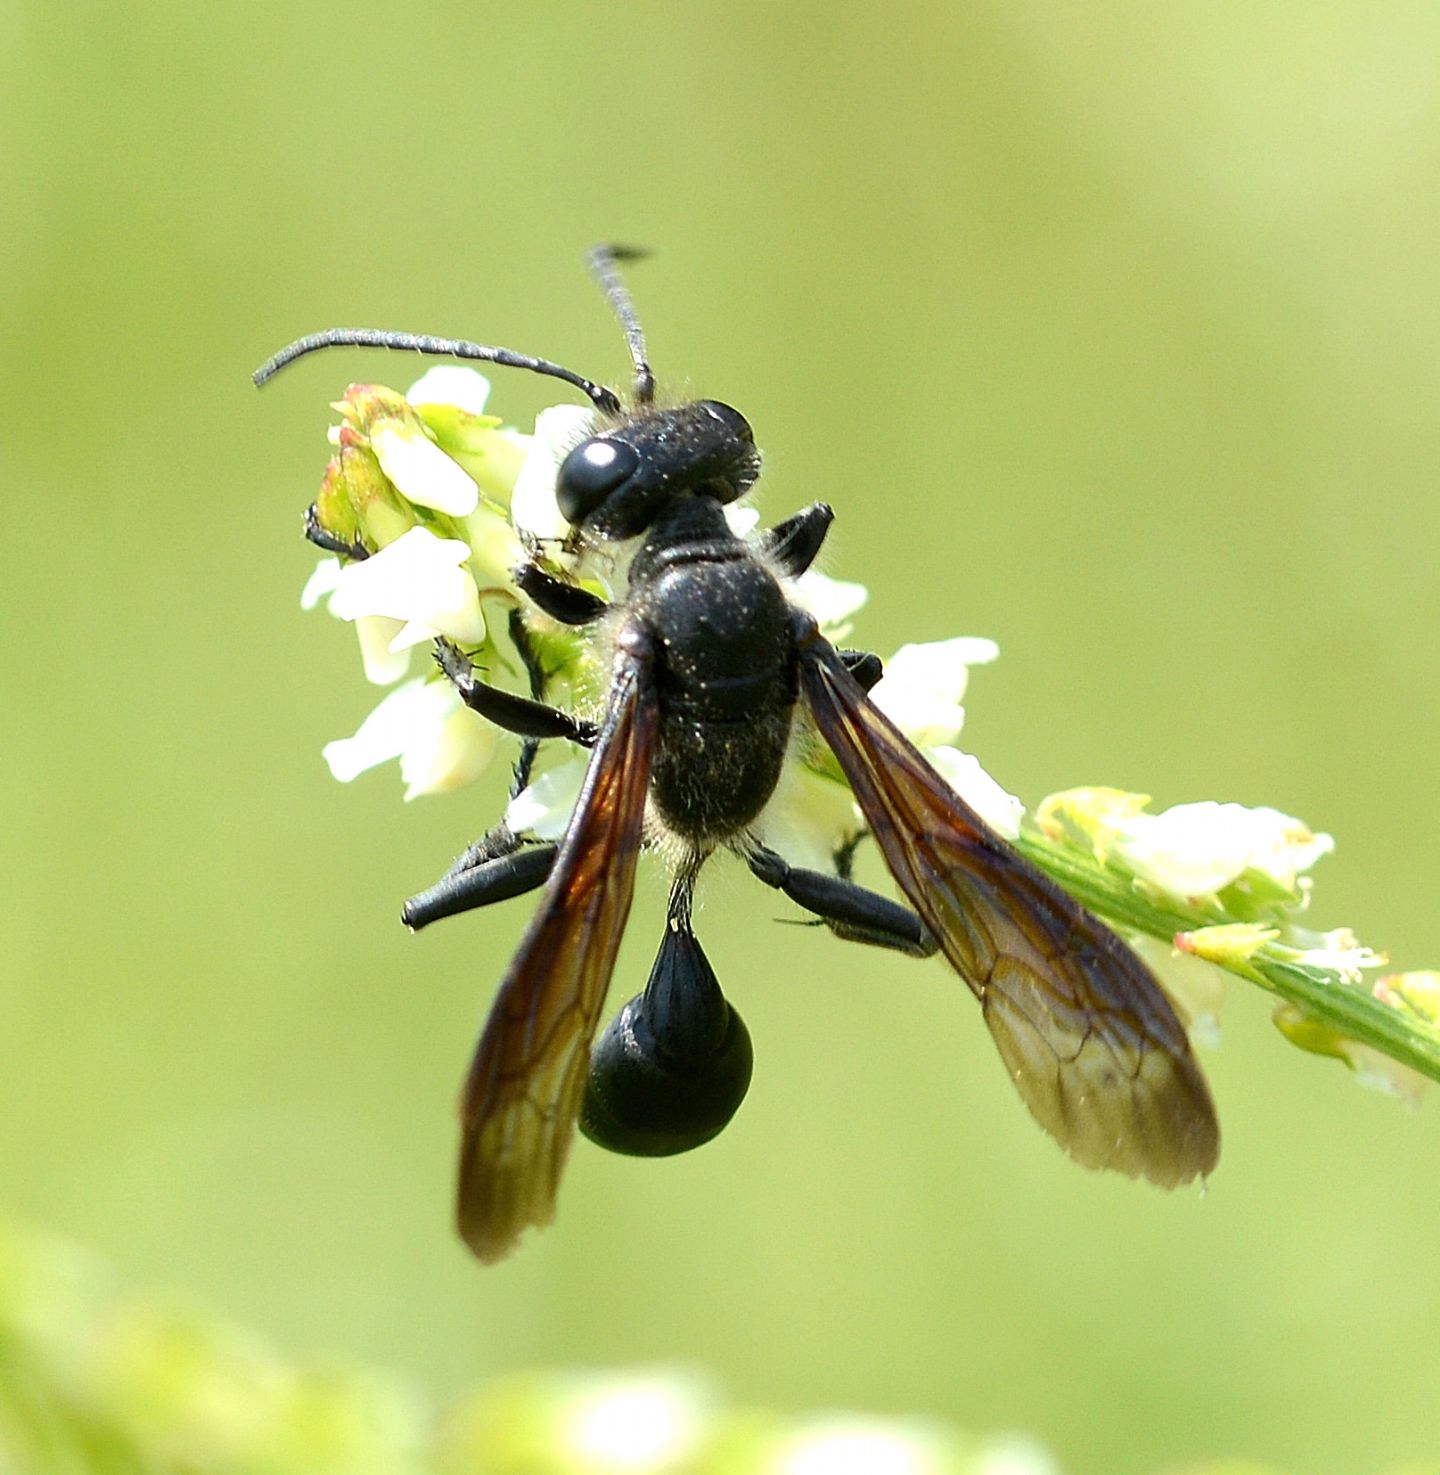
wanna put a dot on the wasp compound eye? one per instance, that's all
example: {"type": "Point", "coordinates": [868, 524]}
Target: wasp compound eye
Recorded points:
{"type": "Point", "coordinates": [590, 473]}
{"type": "Point", "coordinates": [731, 420]}
{"type": "Point", "coordinates": [674, 1065]}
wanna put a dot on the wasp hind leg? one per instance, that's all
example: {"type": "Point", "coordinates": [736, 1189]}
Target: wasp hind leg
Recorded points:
{"type": "Point", "coordinates": [493, 869]}
{"type": "Point", "coordinates": [849, 910]}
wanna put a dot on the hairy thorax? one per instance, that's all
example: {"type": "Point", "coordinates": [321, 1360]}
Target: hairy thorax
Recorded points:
{"type": "Point", "coordinates": [725, 685]}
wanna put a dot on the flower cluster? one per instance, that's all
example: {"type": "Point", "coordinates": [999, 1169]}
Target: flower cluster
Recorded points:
{"type": "Point", "coordinates": [434, 503]}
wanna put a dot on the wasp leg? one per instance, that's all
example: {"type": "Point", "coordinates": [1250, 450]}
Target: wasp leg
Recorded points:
{"type": "Point", "coordinates": [529, 656]}
{"type": "Point", "coordinates": [322, 538]}
{"type": "Point", "coordinates": [567, 603]}
{"type": "Point", "coordinates": [848, 910]}
{"type": "Point", "coordinates": [864, 665]}
{"type": "Point", "coordinates": [516, 714]}
{"type": "Point", "coordinates": [794, 543]}
{"type": "Point", "coordinates": [482, 876]}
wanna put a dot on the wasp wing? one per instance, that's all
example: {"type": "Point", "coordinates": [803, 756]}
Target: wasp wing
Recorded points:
{"type": "Point", "coordinates": [527, 1081]}
{"type": "Point", "coordinates": [1091, 1042]}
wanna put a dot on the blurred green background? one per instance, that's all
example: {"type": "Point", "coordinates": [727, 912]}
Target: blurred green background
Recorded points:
{"type": "Point", "coordinates": [1111, 332]}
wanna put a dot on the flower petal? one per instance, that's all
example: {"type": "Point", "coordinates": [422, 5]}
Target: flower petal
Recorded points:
{"type": "Point", "coordinates": [558, 430]}
{"type": "Point", "coordinates": [809, 818]}
{"type": "Point", "coordinates": [451, 384]}
{"type": "Point", "coordinates": [742, 517]}
{"type": "Point", "coordinates": [384, 661]}
{"type": "Point", "coordinates": [421, 470]}
{"type": "Point", "coordinates": [323, 581]}
{"type": "Point", "coordinates": [440, 743]}
{"type": "Point", "coordinates": [543, 809]}
{"type": "Point", "coordinates": [999, 808]}
{"type": "Point", "coordinates": [1198, 849]}
{"type": "Point", "coordinates": [449, 751]}
{"type": "Point", "coordinates": [381, 736]}
{"type": "Point", "coordinates": [417, 579]}
{"type": "Point", "coordinates": [833, 602]}
{"type": "Point", "coordinates": [921, 689]}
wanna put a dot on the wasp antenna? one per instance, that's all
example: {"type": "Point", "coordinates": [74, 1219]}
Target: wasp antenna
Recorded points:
{"type": "Point", "coordinates": [605, 400]}
{"type": "Point", "coordinates": [604, 263]}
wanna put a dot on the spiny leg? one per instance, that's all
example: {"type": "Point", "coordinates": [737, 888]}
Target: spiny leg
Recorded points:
{"type": "Point", "coordinates": [500, 864]}
{"type": "Point", "coordinates": [849, 910]}
{"type": "Point", "coordinates": [520, 715]}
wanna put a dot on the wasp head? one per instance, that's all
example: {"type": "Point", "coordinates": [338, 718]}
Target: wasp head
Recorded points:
{"type": "Point", "coordinates": [616, 483]}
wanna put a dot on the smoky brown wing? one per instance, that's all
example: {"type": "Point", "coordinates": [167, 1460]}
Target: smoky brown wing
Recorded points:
{"type": "Point", "coordinates": [1088, 1037]}
{"type": "Point", "coordinates": [527, 1082]}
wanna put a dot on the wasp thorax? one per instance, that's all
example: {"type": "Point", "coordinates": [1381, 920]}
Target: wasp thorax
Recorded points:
{"type": "Point", "coordinates": [674, 1064]}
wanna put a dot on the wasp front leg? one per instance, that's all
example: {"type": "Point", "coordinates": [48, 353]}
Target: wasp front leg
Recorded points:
{"type": "Point", "coordinates": [794, 543]}
{"type": "Point", "coordinates": [568, 604]}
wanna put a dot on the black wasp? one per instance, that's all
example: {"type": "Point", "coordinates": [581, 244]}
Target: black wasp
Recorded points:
{"type": "Point", "coordinates": [714, 670]}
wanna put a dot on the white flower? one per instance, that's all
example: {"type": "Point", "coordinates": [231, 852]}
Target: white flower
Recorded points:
{"type": "Point", "coordinates": [383, 666]}
{"type": "Point", "coordinates": [451, 384]}
{"type": "Point", "coordinates": [495, 548]}
{"type": "Point", "coordinates": [634, 1425]}
{"type": "Point", "coordinates": [809, 818]}
{"type": "Point", "coordinates": [1199, 849]}
{"type": "Point", "coordinates": [440, 743]}
{"type": "Point", "coordinates": [848, 1444]}
{"type": "Point", "coordinates": [922, 686]}
{"type": "Point", "coordinates": [325, 580]}
{"type": "Point", "coordinates": [833, 602]}
{"type": "Point", "coordinates": [1013, 1454]}
{"type": "Point", "coordinates": [544, 807]}
{"type": "Point", "coordinates": [419, 580]}
{"type": "Point", "coordinates": [558, 431]}
{"type": "Point", "coordinates": [742, 518]}
{"type": "Point", "coordinates": [1001, 810]}
{"type": "Point", "coordinates": [1378, 1072]}
{"type": "Point", "coordinates": [1340, 952]}
{"type": "Point", "coordinates": [384, 661]}
{"type": "Point", "coordinates": [420, 469]}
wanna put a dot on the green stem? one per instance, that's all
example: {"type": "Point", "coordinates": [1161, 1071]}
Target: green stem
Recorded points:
{"type": "Point", "coordinates": [1348, 1008]}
